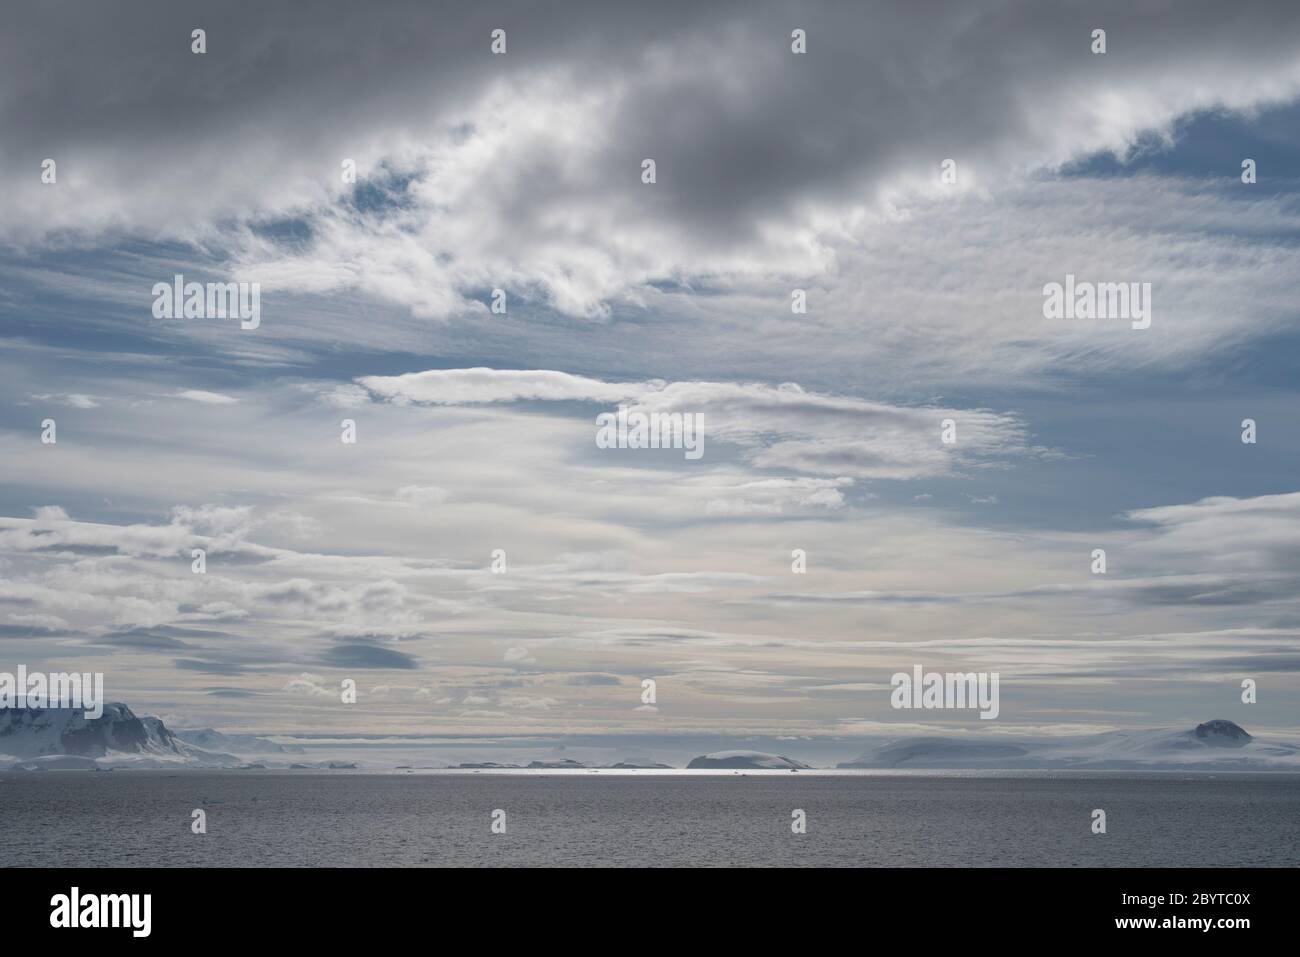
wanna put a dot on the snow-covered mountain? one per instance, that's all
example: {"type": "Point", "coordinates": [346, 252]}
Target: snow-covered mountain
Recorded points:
{"type": "Point", "coordinates": [212, 740]}
{"type": "Point", "coordinates": [54, 737]}
{"type": "Point", "coordinates": [1217, 745]}
{"type": "Point", "coordinates": [746, 760]}
{"type": "Point", "coordinates": [65, 738]}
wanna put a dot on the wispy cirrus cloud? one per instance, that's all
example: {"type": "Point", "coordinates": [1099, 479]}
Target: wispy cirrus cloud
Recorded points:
{"type": "Point", "coordinates": [780, 427]}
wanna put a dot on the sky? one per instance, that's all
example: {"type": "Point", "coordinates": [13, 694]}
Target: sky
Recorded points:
{"type": "Point", "coordinates": [775, 171]}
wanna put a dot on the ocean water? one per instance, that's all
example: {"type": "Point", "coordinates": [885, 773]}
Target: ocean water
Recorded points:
{"type": "Point", "coordinates": [877, 819]}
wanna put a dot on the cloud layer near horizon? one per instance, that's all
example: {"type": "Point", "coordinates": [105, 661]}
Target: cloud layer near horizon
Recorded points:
{"type": "Point", "coordinates": [376, 559]}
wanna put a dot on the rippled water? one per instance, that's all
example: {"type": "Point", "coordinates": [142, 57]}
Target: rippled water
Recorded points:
{"type": "Point", "coordinates": [349, 819]}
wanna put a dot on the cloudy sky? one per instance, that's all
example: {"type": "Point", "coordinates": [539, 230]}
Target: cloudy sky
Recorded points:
{"type": "Point", "coordinates": [775, 171]}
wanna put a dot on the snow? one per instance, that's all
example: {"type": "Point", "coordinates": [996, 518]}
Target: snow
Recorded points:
{"type": "Point", "coordinates": [212, 740]}
{"type": "Point", "coordinates": [117, 738]}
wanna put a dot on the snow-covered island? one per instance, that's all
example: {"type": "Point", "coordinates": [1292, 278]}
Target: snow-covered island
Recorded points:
{"type": "Point", "coordinates": [1217, 745]}
{"type": "Point", "coordinates": [746, 760]}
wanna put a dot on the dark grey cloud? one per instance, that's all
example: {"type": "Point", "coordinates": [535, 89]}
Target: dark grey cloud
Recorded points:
{"type": "Point", "coordinates": [593, 679]}
{"type": "Point", "coordinates": [1177, 590]}
{"type": "Point", "coordinates": [144, 638]}
{"type": "Point", "coordinates": [210, 667]}
{"type": "Point", "coordinates": [743, 131]}
{"type": "Point", "coordinates": [85, 551]}
{"type": "Point", "coordinates": [541, 679]}
{"type": "Point", "coordinates": [30, 631]}
{"type": "Point", "coordinates": [367, 656]}
{"type": "Point", "coordinates": [1285, 663]}
{"type": "Point", "coordinates": [231, 693]}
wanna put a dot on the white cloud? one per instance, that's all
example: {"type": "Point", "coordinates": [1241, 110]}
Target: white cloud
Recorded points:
{"type": "Point", "coordinates": [207, 398]}
{"type": "Point", "coordinates": [307, 684]}
{"type": "Point", "coordinates": [461, 386]}
{"type": "Point", "coordinates": [518, 654]}
{"type": "Point", "coordinates": [74, 400]}
{"type": "Point", "coordinates": [422, 496]}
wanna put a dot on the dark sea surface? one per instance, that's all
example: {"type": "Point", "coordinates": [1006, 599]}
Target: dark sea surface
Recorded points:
{"type": "Point", "coordinates": [877, 819]}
